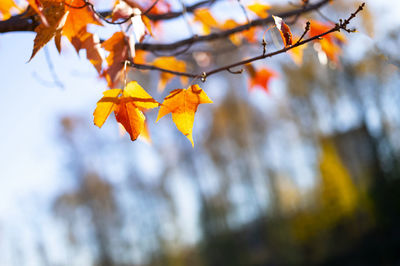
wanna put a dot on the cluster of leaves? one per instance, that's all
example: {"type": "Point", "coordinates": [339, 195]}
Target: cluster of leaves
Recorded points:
{"type": "Point", "coordinates": [70, 18]}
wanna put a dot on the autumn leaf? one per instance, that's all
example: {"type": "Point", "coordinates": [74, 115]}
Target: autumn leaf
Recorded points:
{"type": "Point", "coordinates": [183, 103]}
{"type": "Point", "coordinates": [105, 106]}
{"type": "Point", "coordinates": [38, 8]}
{"type": "Point", "coordinates": [330, 42]}
{"type": "Point", "coordinates": [55, 14]}
{"type": "Point", "coordinates": [121, 48]}
{"type": "Point", "coordinates": [169, 63]}
{"type": "Point", "coordinates": [91, 43]}
{"type": "Point", "coordinates": [78, 18]}
{"type": "Point", "coordinates": [260, 78]}
{"type": "Point", "coordinates": [5, 8]}
{"type": "Point", "coordinates": [284, 30]}
{"type": "Point", "coordinates": [259, 9]}
{"type": "Point", "coordinates": [128, 108]}
{"type": "Point", "coordinates": [204, 16]}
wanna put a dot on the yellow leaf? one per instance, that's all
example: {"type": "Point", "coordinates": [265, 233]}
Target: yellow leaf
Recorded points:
{"type": "Point", "coordinates": [183, 103]}
{"type": "Point", "coordinates": [139, 96]}
{"type": "Point", "coordinates": [204, 16]}
{"type": "Point", "coordinates": [259, 9]}
{"type": "Point", "coordinates": [105, 106]}
{"type": "Point", "coordinates": [127, 108]}
{"type": "Point", "coordinates": [5, 8]}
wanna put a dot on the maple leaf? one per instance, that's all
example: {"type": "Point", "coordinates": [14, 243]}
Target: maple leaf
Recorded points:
{"type": "Point", "coordinates": [284, 30]}
{"type": "Point", "coordinates": [55, 14]}
{"type": "Point", "coordinates": [91, 43]}
{"type": "Point", "coordinates": [5, 8]}
{"type": "Point", "coordinates": [330, 42]}
{"type": "Point", "coordinates": [121, 48]}
{"type": "Point", "coordinates": [259, 9]}
{"type": "Point", "coordinates": [128, 108]}
{"type": "Point", "coordinates": [105, 106]}
{"type": "Point", "coordinates": [78, 18]}
{"type": "Point", "coordinates": [260, 78]}
{"type": "Point", "coordinates": [170, 63]}
{"type": "Point", "coordinates": [183, 103]}
{"type": "Point", "coordinates": [38, 8]}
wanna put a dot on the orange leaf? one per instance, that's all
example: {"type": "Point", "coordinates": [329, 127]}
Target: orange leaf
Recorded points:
{"type": "Point", "coordinates": [5, 8]}
{"type": "Point", "coordinates": [127, 107]}
{"type": "Point", "coordinates": [55, 15]}
{"type": "Point", "coordinates": [204, 16]}
{"type": "Point", "coordinates": [130, 117]}
{"type": "Point", "coordinates": [121, 48]}
{"type": "Point", "coordinates": [260, 78]}
{"type": "Point", "coordinates": [183, 103]}
{"type": "Point", "coordinates": [284, 30]}
{"type": "Point", "coordinates": [170, 63]}
{"type": "Point", "coordinates": [78, 18]}
{"type": "Point", "coordinates": [330, 42]}
{"type": "Point", "coordinates": [259, 9]}
{"type": "Point", "coordinates": [105, 106]}
{"type": "Point", "coordinates": [91, 43]}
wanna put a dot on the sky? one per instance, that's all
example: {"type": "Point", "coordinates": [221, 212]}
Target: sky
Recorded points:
{"type": "Point", "coordinates": [31, 158]}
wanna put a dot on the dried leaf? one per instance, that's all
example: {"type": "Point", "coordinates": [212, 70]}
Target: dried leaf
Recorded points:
{"type": "Point", "coordinates": [183, 103]}
{"type": "Point", "coordinates": [284, 30]}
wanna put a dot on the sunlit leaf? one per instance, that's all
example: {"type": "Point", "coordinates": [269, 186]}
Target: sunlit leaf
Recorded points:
{"type": "Point", "coordinates": [128, 108]}
{"type": "Point", "coordinates": [105, 106]}
{"type": "Point", "coordinates": [259, 9]}
{"type": "Point", "coordinates": [55, 15]}
{"type": "Point", "coordinates": [183, 103]}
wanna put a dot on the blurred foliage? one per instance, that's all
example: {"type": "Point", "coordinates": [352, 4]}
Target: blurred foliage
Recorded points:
{"type": "Point", "coordinates": [312, 177]}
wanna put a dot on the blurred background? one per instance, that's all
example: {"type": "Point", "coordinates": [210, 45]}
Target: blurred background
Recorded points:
{"type": "Point", "coordinates": [306, 174]}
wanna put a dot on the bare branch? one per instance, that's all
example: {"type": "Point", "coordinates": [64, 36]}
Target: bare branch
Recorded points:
{"type": "Point", "coordinates": [342, 25]}
{"type": "Point", "coordinates": [226, 33]}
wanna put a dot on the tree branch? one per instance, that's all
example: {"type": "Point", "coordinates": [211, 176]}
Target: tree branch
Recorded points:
{"type": "Point", "coordinates": [226, 33]}
{"type": "Point", "coordinates": [342, 25]}
{"type": "Point", "coordinates": [21, 23]}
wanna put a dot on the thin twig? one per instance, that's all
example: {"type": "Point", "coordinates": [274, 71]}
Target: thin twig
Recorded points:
{"type": "Point", "coordinates": [342, 25]}
{"type": "Point", "coordinates": [306, 29]}
{"type": "Point", "coordinates": [226, 33]}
